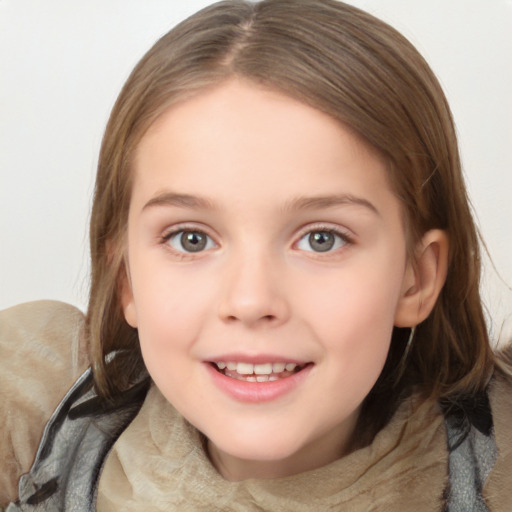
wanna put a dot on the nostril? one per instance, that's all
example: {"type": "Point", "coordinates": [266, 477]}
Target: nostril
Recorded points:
{"type": "Point", "coordinates": [253, 311]}
{"type": "Point", "coordinates": [255, 318]}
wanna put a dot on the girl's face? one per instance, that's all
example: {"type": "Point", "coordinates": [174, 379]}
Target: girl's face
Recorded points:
{"type": "Point", "coordinates": [266, 266]}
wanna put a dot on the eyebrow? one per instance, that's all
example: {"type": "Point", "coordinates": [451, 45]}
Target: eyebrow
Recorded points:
{"type": "Point", "coordinates": [319, 202]}
{"type": "Point", "coordinates": [180, 200]}
{"type": "Point", "coordinates": [300, 203]}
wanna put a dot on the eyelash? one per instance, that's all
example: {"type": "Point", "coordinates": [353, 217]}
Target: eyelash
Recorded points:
{"type": "Point", "coordinates": [344, 237]}
{"type": "Point", "coordinates": [181, 230]}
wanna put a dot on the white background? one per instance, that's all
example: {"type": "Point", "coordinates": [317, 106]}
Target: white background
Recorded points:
{"type": "Point", "coordinates": [62, 63]}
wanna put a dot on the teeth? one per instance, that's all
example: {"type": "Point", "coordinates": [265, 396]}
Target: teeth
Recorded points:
{"type": "Point", "coordinates": [245, 368]}
{"type": "Point", "coordinates": [264, 370]}
{"type": "Point", "coordinates": [278, 367]}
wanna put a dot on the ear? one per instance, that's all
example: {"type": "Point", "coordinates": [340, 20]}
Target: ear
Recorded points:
{"type": "Point", "coordinates": [424, 279]}
{"type": "Point", "coordinates": [127, 300]}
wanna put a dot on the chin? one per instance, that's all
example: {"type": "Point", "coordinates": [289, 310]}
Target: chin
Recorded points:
{"type": "Point", "coordinates": [253, 446]}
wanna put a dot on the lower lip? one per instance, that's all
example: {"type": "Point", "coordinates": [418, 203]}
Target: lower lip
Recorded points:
{"type": "Point", "coordinates": [257, 392]}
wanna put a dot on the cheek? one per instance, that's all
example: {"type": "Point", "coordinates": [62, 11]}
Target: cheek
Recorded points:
{"type": "Point", "coordinates": [352, 316]}
{"type": "Point", "coordinates": [168, 330]}
{"type": "Point", "coordinates": [172, 317]}
{"type": "Point", "coordinates": [356, 344]}
{"type": "Point", "coordinates": [171, 307]}
{"type": "Point", "coordinates": [355, 302]}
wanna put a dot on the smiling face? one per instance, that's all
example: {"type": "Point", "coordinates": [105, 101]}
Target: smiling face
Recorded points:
{"type": "Point", "coordinates": [266, 268]}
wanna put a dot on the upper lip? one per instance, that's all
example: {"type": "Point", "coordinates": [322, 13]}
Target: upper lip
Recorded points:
{"type": "Point", "coordinates": [257, 359]}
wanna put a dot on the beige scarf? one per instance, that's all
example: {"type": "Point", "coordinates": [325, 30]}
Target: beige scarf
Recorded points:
{"type": "Point", "coordinates": [159, 464]}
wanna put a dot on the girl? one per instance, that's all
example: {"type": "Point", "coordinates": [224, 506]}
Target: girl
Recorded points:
{"type": "Point", "coordinates": [284, 310]}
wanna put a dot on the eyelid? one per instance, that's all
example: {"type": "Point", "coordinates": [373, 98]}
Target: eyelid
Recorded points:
{"type": "Point", "coordinates": [346, 235]}
{"type": "Point", "coordinates": [176, 229]}
{"type": "Point", "coordinates": [185, 226]}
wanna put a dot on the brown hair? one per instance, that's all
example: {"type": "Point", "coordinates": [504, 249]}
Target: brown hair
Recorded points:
{"type": "Point", "coordinates": [363, 73]}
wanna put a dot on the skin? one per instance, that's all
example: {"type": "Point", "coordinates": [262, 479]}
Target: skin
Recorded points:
{"type": "Point", "coordinates": [241, 164]}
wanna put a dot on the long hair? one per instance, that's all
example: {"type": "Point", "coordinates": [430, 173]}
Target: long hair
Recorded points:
{"type": "Point", "coordinates": [363, 73]}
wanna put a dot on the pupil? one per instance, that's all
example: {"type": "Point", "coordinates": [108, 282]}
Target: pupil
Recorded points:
{"type": "Point", "coordinates": [321, 241]}
{"type": "Point", "coordinates": [193, 241]}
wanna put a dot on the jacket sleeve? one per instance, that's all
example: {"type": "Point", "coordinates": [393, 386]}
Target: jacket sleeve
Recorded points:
{"type": "Point", "coordinates": [41, 354]}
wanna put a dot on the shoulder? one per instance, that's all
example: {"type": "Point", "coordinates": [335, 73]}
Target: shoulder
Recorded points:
{"type": "Point", "coordinates": [40, 343]}
{"type": "Point", "coordinates": [498, 488]}
{"type": "Point", "coordinates": [41, 353]}
{"type": "Point", "coordinates": [38, 315]}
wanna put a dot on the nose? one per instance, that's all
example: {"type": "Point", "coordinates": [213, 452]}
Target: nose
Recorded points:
{"type": "Point", "coordinates": [254, 293]}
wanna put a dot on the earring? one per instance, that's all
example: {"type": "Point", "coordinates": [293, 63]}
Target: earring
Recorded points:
{"type": "Point", "coordinates": [409, 344]}
{"type": "Point", "coordinates": [405, 356]}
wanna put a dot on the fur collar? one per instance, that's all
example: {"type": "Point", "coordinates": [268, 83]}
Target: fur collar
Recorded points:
{"type": "Point", "coordinates": [159, 464]}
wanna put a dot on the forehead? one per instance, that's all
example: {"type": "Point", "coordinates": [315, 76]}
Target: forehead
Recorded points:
{"type": "Point", "coordinates": [240, 137]}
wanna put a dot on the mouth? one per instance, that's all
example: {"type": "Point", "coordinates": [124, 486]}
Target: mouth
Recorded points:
{"type": "Point", "coordinates": [263, 372]}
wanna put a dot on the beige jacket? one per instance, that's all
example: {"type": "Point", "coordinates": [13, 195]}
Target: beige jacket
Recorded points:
{"type": "Point", "coordinates": [158, 463]}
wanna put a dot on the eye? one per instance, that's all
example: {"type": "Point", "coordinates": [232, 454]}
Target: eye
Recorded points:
{"type": "Point", "coordinates": [190, 241]}
{"type": "Point", "coordinates": [321, 241]}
